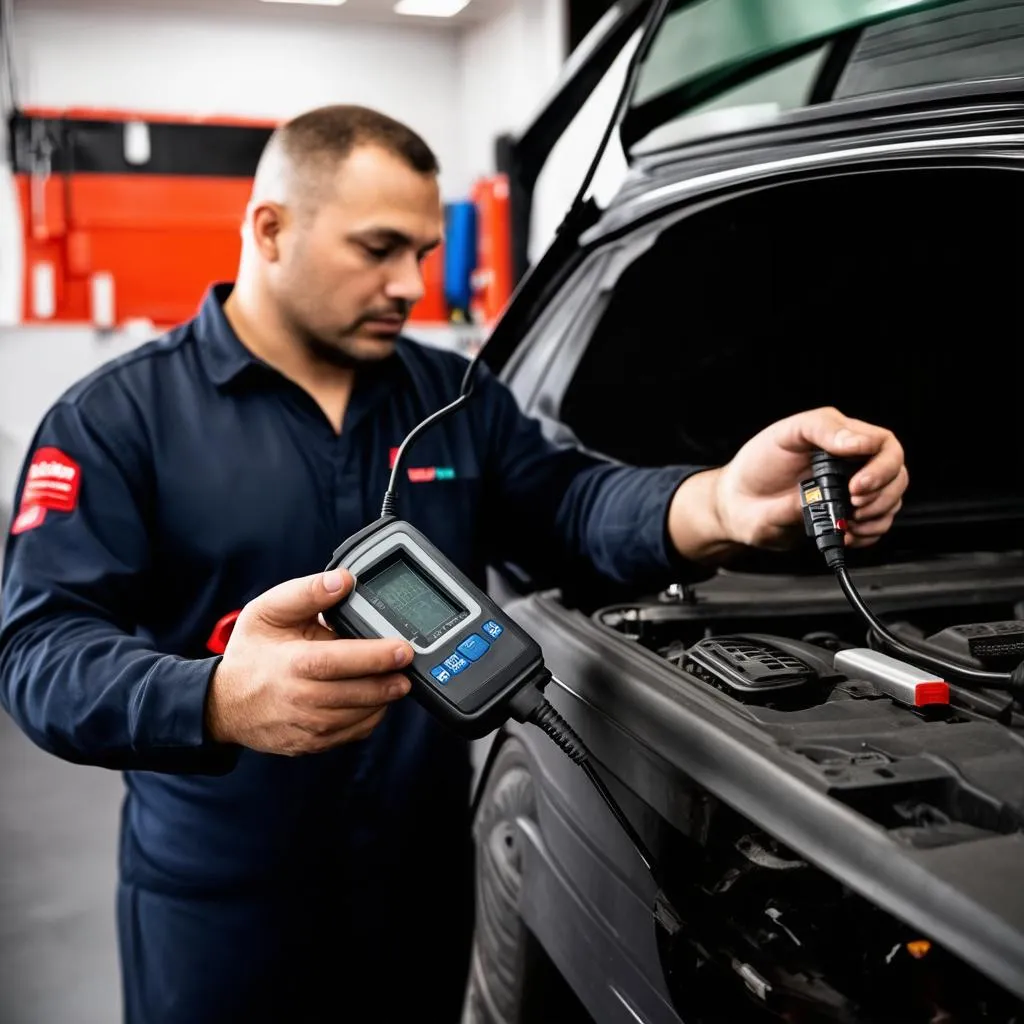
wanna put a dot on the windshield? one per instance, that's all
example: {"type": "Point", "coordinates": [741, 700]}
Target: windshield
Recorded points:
{"type": "Point", "coordinates": [760, 55]}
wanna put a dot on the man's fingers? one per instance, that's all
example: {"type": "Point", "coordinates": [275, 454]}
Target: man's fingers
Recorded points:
{"type": "Point", "coordinates": [846, 437]}
{"type": "Point", "coordinates": [348, 659]}
{"type": "Point", "coordinates": [350, 693]}
{"type": "Point", "coordinates": [295, 602]}
{"type": "Point", "coordinates": [885, 468]}
{"type": "Point", "coordinates": [829, 429]}
{"type": "Point", "coordinates": [868, 507]}
{"type": "Point", "coordinates": [868, 533]}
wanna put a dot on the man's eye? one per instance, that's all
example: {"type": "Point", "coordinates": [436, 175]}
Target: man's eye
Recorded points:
{"type": "Point", "coordinates": [378, 253]}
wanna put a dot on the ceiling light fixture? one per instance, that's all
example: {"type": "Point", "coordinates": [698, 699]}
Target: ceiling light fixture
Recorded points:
{"type": "Point", "coordinates": [313, 3]}
{"type": "Point", "coordinates": [430, 8]}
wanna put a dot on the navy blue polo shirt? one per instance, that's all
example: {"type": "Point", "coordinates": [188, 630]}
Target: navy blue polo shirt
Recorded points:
{"type": "Point", "coordinates": [176, 483]}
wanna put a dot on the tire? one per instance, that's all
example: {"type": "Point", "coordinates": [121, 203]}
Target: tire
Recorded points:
{"type": "Point", "coordinates": [511, 978]}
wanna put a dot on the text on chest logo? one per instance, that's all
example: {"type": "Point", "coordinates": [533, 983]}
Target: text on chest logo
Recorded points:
{"type": "Point", "coordinates": [424, 474]}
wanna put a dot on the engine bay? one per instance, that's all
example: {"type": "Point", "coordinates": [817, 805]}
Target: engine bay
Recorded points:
{"type": "Point", "coordinates": [795, 944]}
{"type": "Point", "coordinates": [771, 651]}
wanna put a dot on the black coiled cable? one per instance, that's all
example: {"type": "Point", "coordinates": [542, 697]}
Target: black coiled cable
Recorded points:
{"type": "Point", "coordinates": [547, 718]}
{"type": "Point", "coordinates": [963, 674]}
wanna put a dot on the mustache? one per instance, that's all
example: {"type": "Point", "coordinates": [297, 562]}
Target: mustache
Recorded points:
{"type": "Point", "coordinates": [399, 309]}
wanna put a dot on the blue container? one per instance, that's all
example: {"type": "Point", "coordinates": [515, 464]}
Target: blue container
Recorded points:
{"type": "Point", "coordinates": [460, 257]}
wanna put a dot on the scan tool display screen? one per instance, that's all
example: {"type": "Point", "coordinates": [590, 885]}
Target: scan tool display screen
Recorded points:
{"type": "Point", "coordinates": [416, 606]}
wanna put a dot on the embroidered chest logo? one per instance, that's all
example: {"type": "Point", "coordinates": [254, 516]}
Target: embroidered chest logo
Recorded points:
{"type": "Point", "coordinates": [423, 474]}
{"type": "Point", "coordinates": [51, 483]}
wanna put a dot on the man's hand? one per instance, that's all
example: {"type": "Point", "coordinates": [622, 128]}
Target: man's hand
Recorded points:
{"type": "Point", "coordinates": [288, 685]}
{"type": "Point", "coordinates": [754, 501]}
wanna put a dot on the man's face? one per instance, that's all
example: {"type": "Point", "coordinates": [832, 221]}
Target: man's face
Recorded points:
{"type": "Point", "coordinates": [350, 267]}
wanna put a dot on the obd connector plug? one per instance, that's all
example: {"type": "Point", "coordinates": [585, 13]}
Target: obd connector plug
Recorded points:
{"type": "Point", "coordinates": [825, 501]}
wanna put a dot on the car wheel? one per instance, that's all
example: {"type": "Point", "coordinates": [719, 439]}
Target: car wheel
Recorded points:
{"type": "Point", "coordinates": [512, 980]}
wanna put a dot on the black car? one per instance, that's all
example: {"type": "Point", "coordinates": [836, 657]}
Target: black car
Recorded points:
{"type": "Point", "coordinates": [824, 205]}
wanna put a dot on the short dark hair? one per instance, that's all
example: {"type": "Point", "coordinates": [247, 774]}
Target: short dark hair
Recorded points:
{"type": "Point", "coordinates": [332, 132]}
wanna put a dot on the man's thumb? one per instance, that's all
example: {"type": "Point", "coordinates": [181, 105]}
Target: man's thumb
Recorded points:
{"type": "Point", "coordinates": [295, 602]}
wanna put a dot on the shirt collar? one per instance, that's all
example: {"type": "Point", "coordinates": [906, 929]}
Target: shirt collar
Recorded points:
{"type": "Point", "coordinates": [225, 357]}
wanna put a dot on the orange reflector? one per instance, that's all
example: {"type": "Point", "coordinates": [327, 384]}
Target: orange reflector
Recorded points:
{"type": "Point", "coordinates": [918, 948]}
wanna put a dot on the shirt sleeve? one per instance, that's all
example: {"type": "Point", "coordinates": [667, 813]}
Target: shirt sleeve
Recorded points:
{"type": "Point", "coordinates": [556, 509]}
{"type": "Point", "coordinates": [75, 673]}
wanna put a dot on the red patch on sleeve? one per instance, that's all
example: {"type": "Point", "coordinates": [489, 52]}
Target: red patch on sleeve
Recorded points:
{"type": "Point", "coordinates": [53, 481]}
{"type": "Point", "coordinates": [28, 519]}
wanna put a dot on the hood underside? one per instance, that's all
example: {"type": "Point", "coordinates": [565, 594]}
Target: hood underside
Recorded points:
{"type": "Point", "coordinates": [890, 295]}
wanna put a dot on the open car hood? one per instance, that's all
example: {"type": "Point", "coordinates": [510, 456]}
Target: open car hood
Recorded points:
{"type": "Point", "coordinates": [683, 56]}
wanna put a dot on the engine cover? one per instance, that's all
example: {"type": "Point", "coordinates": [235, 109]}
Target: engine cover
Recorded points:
{"type": "Point", "coordinates": [750, 666]}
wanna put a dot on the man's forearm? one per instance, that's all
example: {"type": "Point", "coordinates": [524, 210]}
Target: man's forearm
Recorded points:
{"type": "Point", "coordinates": [83, 690]}
{"type": "Point", "coordinates": [694, 522]}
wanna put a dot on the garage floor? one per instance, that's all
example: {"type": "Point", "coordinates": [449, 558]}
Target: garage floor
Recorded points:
{"type": "Point", "coordinates": [58, 839]}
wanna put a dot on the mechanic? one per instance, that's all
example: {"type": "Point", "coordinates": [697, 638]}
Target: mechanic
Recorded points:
{"type": "Point", "coordinates": [295, 839]}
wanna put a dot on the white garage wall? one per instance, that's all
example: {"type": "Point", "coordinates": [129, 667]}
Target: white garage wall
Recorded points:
{"type": "Point", "coordinates": [507, 67]}
{"type": "Point", "coordinates": [274, 61]}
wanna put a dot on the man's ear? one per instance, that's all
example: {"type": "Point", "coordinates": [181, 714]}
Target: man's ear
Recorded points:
{"type": "Point", "coordinates": [268, 221]}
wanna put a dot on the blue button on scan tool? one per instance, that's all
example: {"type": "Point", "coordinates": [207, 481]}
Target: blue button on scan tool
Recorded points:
{"type": "Point", "coordinates": [474, 647]}
{"type": "Point", "coordinates": [492, 629]}
{"type": "Point", "coordinates": [441, 674]}
{"type": "Point", "coordinates": [455, 663]}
